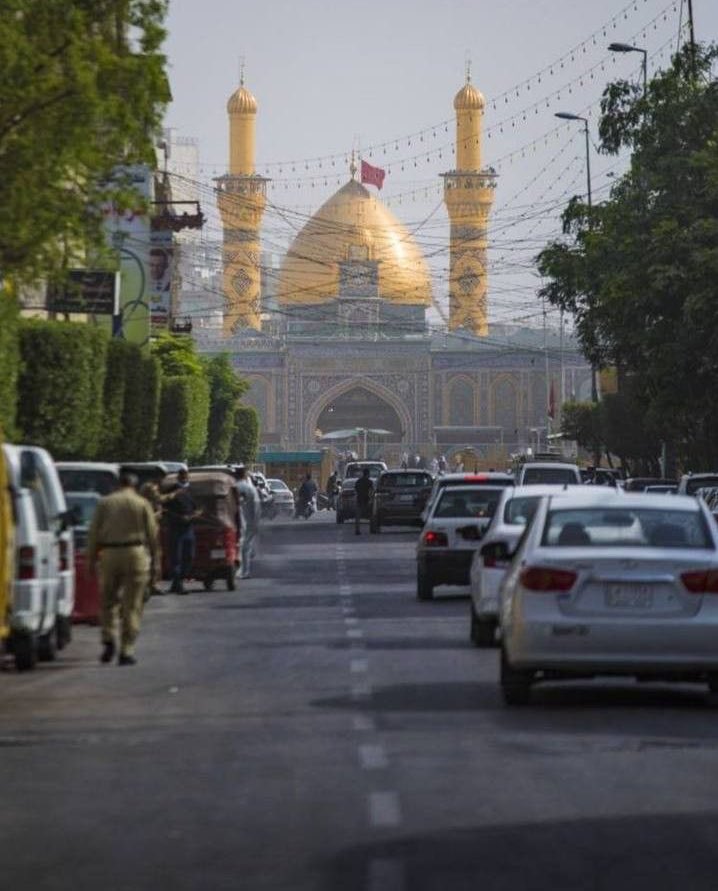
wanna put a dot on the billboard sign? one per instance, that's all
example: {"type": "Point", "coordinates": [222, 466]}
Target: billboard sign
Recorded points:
{"type": "Point", "coordinates": [86, 291]}
{"type": "Point", "coordinates": [159, 280]}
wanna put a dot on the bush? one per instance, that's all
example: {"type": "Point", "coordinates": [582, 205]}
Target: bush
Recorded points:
{"type": "Point", "coordinates": [60, 388]}
{"type": "Point", "coordinates": [141, 409]}
{"type": "Point", "coordinates": [182, 428]}
{"type": "Point", "coordinates": [9, 362]}
{"type": "Point", "coordinates": [225, 389]}
{"type": "Point", "coordinates": [245, 440]}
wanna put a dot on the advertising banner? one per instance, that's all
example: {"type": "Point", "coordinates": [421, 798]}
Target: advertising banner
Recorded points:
{"type": "Point", "coordinates": [159, 283]}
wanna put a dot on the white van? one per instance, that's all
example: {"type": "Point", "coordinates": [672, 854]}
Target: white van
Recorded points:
{"type": "Point", "coordinates": [34, 609]}
{"type": "Point", "coordinates": [49, 481]}
{"type": "Point", "coordinates": [552, 473]}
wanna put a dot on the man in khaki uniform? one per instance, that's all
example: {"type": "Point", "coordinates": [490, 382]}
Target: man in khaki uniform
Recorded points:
{"type": "Point", "coordinates": [123, 535]}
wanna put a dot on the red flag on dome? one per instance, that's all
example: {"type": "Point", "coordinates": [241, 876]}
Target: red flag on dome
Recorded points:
{"type": "Point", "coordinates": [372, 175]}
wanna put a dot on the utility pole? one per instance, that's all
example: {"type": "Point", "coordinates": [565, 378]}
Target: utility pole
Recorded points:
{"type": "Point", "coordinates": [692, 37]}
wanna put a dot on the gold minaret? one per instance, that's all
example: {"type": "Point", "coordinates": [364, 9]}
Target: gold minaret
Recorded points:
{"type": "Point", "coordinates": [469, 195]}
{"type": "Point", "coordinates": [241, 196]}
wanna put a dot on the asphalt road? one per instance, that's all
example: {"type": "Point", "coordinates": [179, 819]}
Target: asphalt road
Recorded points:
{"type": "Point", "coordinates": [321, 729]}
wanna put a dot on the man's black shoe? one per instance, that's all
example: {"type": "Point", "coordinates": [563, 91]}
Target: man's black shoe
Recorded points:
{"type": "Point", "coordinates": [108, 651]}
{"type": "Point", "coordinates": [126, 660]}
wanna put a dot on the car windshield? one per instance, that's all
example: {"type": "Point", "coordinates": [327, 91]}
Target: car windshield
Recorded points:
{"type": "Point", "coordinates": [469, 503]}
{"type": "Point", "coordinates": [84, 504]}
{"type": "Point", "coordinates": [626, 527]}
{"type": "Point", "coordinates": [85, 479]}
{"type": "Point", "coordinates": [357, 470]}
{"type": "Point", "coordinates": [277, 485]}
{"type": "Point", "coordinates": [700, 482]}
{"type": "Point", "coordinates": [410, 480]}
{"type": "Point", "coordinates": [550, 475]}
{"type": "Point", "coordinates": [520, 511]}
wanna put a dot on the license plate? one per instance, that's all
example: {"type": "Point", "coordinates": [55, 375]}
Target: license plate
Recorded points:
{"type": "Point", "coordinates": [629, 596]}
{"type": "Point", "coordinates": [217, 554]}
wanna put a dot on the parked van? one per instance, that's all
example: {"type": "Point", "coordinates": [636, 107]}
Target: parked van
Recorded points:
{"type": "Point", "coordinates": [7, 546]}
{"type": "Point", "coordinates": [33, 617]}
{"type": "Point", "coordinates": [49, 481]}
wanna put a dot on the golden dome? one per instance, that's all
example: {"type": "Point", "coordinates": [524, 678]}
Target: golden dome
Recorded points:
{"type": "Point", "coordinates": [469, 98]}
{"type": "Point", "coordinates": [242, 102]}
{"type": "Point", "coordinates": [353, 225]}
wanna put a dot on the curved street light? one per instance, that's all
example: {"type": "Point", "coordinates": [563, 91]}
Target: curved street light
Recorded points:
{"type": "Point", "coordinates": [629, 48]}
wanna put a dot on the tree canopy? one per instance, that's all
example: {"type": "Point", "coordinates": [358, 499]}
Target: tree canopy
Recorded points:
{"type": "Point", "coordinates": [639, 272]}
{"type": "Point", "coordinates": [83, 91]}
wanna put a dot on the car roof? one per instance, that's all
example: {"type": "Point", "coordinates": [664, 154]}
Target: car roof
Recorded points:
{"type": "Point", "coordinates": [629, 500]}
{"type": "Point", "coordinates": [562, 465]}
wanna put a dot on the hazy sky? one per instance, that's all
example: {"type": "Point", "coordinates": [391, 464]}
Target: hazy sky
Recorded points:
{"type": "Point", "coordinates": [328, 75]}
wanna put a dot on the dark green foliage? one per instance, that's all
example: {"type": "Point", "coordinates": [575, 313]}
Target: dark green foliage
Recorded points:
{"type": "Point", "coordinates": [131, 403]}
{"type": "Point", "coordinates": [60, 387]}
{"type": "Point", "coordinates": [184, 409]}
{"type": "Point", "coordinates": [245, 440]}
{"type": "Point", "coordinates": [9, 363]}
{"type": "Point", "coordinates": [225, 389]}
{"type": "Point", "coordinates": [639, 272]}
{"type": "Point", "coordinates": [83, 90]}
{"type": "Point", "coordinates": [582, 422]}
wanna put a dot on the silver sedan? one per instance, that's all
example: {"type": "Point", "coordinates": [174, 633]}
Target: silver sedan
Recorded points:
{"type": "Point", "coordinates": [617, 586]}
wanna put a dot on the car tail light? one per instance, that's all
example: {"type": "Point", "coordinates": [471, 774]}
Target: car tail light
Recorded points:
{"type": "Point", "coordinates": [546, 578]}
{"type": "Point", "coordinates": [26, 562]}
{"type": "Point", "coordinates": [475, 477]}
{"type": "Point", "coordinates": [63, 555]}
{"type": "Point", "coordinates": [702, 581]}
{"type": "Point", "coordinates": [436, 539]}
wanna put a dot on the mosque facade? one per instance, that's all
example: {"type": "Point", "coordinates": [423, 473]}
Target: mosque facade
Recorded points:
{"type": "Point", "coordinates": [345, 343]}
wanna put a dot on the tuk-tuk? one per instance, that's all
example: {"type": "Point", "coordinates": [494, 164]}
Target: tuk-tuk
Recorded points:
{"type": "Point", "coordinates": [216, 529]}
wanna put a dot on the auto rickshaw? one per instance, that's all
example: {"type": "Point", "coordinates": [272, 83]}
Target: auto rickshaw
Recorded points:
{"type": "Point", "coordinates": [216, 529]}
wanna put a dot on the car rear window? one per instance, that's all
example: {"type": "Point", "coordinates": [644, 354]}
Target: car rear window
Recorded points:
{"type": "Point", "coordinates": [551, 475]}
{"type": "Point", "coordinates": [470, 503]}
{"type": "Point", "coordinates": [626, 527]}
{"type": "Point", "coordinates": [701, 482]}
{"type": "Point", "coordinates": [410, 480]}
{"type": "Point", "coordinates": [520, 511]}
{"type": "Point", "coordinates": [86, 480]}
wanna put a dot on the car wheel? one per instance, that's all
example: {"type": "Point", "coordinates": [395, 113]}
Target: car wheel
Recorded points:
{"type": "Point", "coordinates": [63, 632]}
{"type": "Point", "coordinates": [208, 582]}
{"type": "Point", "coordinates": [424, 585]}
{"type": "Point", "coordinates": [24, 648]}
{"type": "Point", "coordinates": [515, 683]}
{"type": "Point", "coordinates": [231, 578]}
{"type": "Point", "coordinates": [483, 631]}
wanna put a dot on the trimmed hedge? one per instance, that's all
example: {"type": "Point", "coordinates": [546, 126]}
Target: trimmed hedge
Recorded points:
{"type": "Point", "coordinates": [182, 427]}
{"type": "Point", "coordinates": [225, 389]}
{"type": "Point", "coordinates": [141, 408]}
{"type": "Point", "coordinates": [245, 440]}
{"type": "Point", "coordinates": [9, 362]}
{"type": "Point", "coordinates": [60, 388]}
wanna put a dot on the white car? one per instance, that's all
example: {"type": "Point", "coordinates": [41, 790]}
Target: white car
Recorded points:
{"type": "Point", "coordinates": [513, 514]}
{"type": "Point", "coordinates": [557, 473]}
{"type": "Point", "coordinates": [453, 529]}
{"type": "Point", "coordinates": [619, 585]}
{"type": "Point", "coordinates": [283, 498]}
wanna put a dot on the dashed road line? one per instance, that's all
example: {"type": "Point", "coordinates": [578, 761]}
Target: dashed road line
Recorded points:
{"type": "Point", "coordinates": [364, 724]}
{"type": "Point", "coordinates": [356, 666]}
{"type": "Point", "coordinates": [385, 874]}
{"type": "Point", "coordinates": [372, 756]}
{"type": "Point", "coordinates": [384, 809]}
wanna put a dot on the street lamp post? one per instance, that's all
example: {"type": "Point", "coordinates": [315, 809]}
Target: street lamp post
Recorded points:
{"type": "Point", "coordinates": [569, 116]}
{"type": "Point", "coordinates": [629, 48]}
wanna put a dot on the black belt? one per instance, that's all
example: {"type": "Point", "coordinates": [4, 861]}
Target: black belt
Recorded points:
{"type": "Point", "coordinates": [121, 544]}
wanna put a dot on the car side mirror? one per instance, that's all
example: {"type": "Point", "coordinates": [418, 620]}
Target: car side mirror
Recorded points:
{"type": "Point", "coordinates": [470, 533]}
{"type": "Point", "coordinates": [498, 551]}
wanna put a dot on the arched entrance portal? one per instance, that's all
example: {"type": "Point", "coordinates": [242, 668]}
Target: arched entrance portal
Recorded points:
{"type": "Point", "coordinates": [360, 407]}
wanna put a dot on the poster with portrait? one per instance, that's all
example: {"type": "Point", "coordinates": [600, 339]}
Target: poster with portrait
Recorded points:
{"type": "Point", "coordinates": [159, 279]}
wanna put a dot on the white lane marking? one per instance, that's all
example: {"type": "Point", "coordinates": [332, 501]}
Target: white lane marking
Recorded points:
{"type": "Point", "coordinates": [364, 724]}
{"type": "Point", "coordinates": [356, 666]}
{"type": "Point", "coordinates": [347, 609]}
{"type": "Point", "coordinates": [373, 757]}
{"type": "Point", "coordinates": [385, 874]}
{"type": "Point", "coordinates": [351, 620]}
{"type": "Point", "coordinates": [384, 809]}
{"type": "Point", "coordinates": [355, 633]}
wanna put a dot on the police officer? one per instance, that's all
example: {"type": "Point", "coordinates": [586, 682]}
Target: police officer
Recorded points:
{"type": "Point", "coordinates": [123, 536]}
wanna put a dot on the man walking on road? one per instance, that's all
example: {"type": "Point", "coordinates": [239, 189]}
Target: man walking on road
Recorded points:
{"type": "Point", "coordinates": [363, 489]}
{"type": "Point", "coordinates": [251, 510]}
{"type": "Point", "coordinates": [123, 536]}
{"type": "Point", "coordinates": [181, 512]}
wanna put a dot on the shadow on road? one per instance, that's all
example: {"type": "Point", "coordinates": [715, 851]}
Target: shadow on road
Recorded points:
{"type": "Point", "coordinates": [665, 852]}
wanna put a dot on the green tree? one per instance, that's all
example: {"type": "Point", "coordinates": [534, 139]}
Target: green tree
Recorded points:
{"type": "Point", "coordinates": [9, 362]}
{"type": "Point", "coordinates": [245, 439]}
{"type": "Point", "coordinates": [141, 409]}
{"type": "Point", "coordinates": [639, 271]}
{"type": "Point", "coordinates": [184, 401]}
{"type": "Point", "coordinates": [225, 390]}
{"type": "Point", "coordinates": [60, 389]}
{"type": "Point", "coordinates": [83, 91]}
{"type": "Point", "coordinates": [582, 422]}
